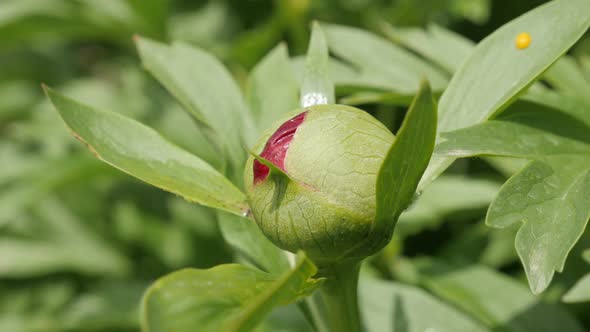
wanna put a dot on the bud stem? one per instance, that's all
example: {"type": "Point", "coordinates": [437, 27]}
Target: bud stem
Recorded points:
{"type": "Point", "coordinates": [339, 293]}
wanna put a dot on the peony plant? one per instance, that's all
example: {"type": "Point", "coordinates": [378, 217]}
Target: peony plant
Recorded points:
{"type": "Point", "coordinates": [307, 192]}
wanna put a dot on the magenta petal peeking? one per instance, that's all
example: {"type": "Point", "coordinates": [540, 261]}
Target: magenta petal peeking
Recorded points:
{"type": "Point", "coordinates": [276, 148]}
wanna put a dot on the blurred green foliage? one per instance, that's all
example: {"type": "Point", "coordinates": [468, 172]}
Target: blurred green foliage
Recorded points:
{"type": "Point", "coordinates": [80, 242]}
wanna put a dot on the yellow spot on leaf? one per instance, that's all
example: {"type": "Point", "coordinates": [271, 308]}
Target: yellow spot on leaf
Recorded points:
{"type": "Point", "coordinates": [523, 40]}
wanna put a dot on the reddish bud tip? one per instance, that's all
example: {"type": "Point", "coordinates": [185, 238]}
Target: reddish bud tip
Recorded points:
{"type": "Point", "coordinates": [276, 147]}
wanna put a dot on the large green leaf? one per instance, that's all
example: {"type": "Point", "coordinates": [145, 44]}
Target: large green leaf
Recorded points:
{"type": "Point", "coordinates": [380, 64]}
{"type": "Point", "coordinates": [546, 193]}
{"type": "Point", "coordinates": [407, 158]}
{"type": "Point", "coordinates": [224, 298]}
{"type": "Point", "coordinates": [272, 88]}
{"type": "Point", "coordinates": [497, 301]}
{"type": "Point", "coordinates": [550, 200]}
{"type": "Point", "coordinates": [317, 87]}
{"type": "Point", "coordinates": [497, 72]}
{"type": "Point", "coordinates": [140, 151]}
{"type": "Point", "coordinates": [205, 89]}
{"type": "Point", "coordinates": [528, 130]}
{"type": "Point", "coordinates": [394, 307]}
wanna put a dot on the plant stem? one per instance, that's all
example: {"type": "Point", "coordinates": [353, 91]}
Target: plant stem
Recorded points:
{"type": "Point", "coordinates": [339, 293]}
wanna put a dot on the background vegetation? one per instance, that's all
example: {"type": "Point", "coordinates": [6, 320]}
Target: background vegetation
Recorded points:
{"type": "Point", "coordinates": [80, 242]}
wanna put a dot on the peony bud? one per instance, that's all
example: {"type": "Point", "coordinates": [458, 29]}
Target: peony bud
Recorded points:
{"type": "Point", "coordinates": [313, 186]}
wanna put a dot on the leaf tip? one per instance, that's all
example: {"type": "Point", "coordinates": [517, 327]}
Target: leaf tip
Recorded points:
{"type": "Point", "coordinates": [425, 85]}
{"type": "Point", "coordinates": [47, 90]}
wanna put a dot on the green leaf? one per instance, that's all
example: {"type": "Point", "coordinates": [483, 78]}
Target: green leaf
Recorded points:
{"type": "Point", "coordinates": [439, 45]}
{"type": "Point", "coordinates": [502, 304]}
{"type": "Point", "coordinates": [580, 292]}
{"type": "Point", "coordinates": [272, 88]}
{"type": "Point", "coordinates": [567, 76]}
{"type": "Point", "coordinates": [545, 193]}
{"type": "Point", "coordinates": [386, 98]}
{"type": "Point", "coordinates": [205, 89]}
{"type": "Point", "coordinates": [380, 63]}
{"type": "Point", "coordinates": [407, 158]}
{"type": "Point", "coordinates": [33, 184]}
{"type": "Point", "coordinates": [454, 195]}
{"type": "Point", "coordinates": [140, 151]}
{"type": "Point", "coordinates": [528, 130]}
{"type": "Point", "coordinates": [65, 245]}
{"type": "Point", "coordinates": [106, 306]}
{"type": "Point", "coordinates": [317, 87]}
{"type": "Point", "coordinates": [550, 200]}
{"type": "Point", "coordinates": [247, 238]}
{"type": "Point", "coordinates": [497, 72]}
{"type": "Point", "coordinates": [571, 105]}
{"type": "Point", "coordinates": [224, 298]}
{"type": "Point", "coordinates": [394, 307]}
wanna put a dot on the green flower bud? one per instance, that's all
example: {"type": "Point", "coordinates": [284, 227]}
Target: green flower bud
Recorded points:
{"type": "Point", "coordinates": [313, 186]}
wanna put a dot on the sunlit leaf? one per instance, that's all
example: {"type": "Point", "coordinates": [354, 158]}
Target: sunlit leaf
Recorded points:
{"type": "Point", "coordinates": [224, 298]}
{"type": "Point", "coordinates": [407, 158]}
{"type": "Point", "coordinates": [205, 89]}
{"type": "Point", "coordinates": [497, 71]}
{"type": "Point", "coordinates": [550, 200]}
{"type": "Point", "coordinates": [143, 153]}
{"type": "Point", "coordinates": [317, 87]}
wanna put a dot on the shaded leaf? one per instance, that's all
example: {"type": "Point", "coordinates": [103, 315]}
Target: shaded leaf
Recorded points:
{"type": "Point", "coordinates": [32, 182]}
{"type": "Point", "coordinates": [379, 63]}
{"type": "Point", "coordinates": [394, 307]}
{"type": "Point", "coordinates": [66, 246]}
{"type": "Point", "coordinates": [450, 194]}
{"type": "Point", "coordinates": [245, 236]}
{"type": "Point", "coordinates": [439, 45]}
{"type": "Point", "coordinates": [567, 76]}
{"type": "Point", "coordinates": [503, 304]}
{"type": "Point", "coordinates": [272, 88]}
{"type": "Point", "coordinates": [580, 292]}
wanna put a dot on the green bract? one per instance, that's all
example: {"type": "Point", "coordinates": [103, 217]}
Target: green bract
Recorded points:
{"type": "Point", "coordinates": [323, 200]}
